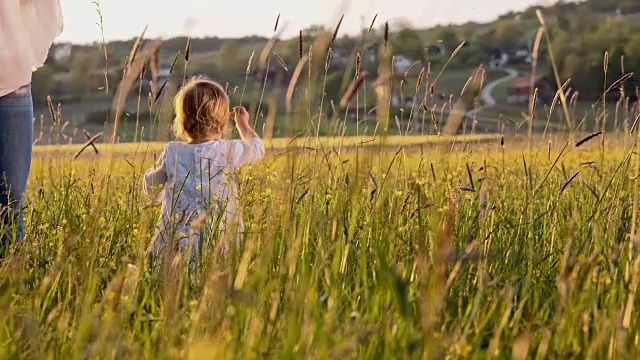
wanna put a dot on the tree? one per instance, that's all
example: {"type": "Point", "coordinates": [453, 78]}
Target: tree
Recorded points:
{"type": "Point", "coordinates": [289, 50]}
{"type": "Point", "coordinates": [409, 44]}
{"type": "Point", "coordinates": [561, 44]}
{"type": "Point", "coordinates": [82, 67]}
{"type": "Point", "coordinates": [228, 57]}
{"type": "Point", "coordinates": [42, 84]}
{"type": "Point", "coordinates": [573, 67]}
{"type": "Point", "coordinates": [584, 20]}
{"type": "Point", "coordinates": [603, 5]}
{"type": "Point", "coordinates": [447, 37]}
{"type": "Point", "coordinates": [312, 32]}
{"type": "Point", "coordinates": [346, 43]}
{"type": "Point", "coordinates": [632, 51]}
{"type": "Point", "coordinates": [508, 34]}
{"type": "Point", "coordinates": [629, 6]}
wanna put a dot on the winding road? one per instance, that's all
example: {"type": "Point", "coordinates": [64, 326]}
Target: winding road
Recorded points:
{"type": "Point", "coordinates": [486, 96]}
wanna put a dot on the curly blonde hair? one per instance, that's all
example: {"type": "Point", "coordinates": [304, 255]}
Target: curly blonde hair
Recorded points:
{"type": "Point", "coordinates": [202, 109]}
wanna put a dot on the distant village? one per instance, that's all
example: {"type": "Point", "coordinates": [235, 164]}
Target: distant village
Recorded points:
{"type": "Point", "coordinates": [482, 46]}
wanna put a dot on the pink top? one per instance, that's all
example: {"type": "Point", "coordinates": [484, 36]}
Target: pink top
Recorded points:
{"type": "Point", "coordinates": [27, 31]}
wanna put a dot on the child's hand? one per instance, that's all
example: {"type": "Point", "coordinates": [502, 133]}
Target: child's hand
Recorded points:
{"type": "Point", "coordinates": [242, 123]}
{"type": "Point", "coordinates": [241, 117]}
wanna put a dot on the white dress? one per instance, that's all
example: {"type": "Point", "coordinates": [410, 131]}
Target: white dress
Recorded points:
{"type": "Point", "coordinates": [27, 30]}
{"type": "Point", "coordinates": [195, 183]}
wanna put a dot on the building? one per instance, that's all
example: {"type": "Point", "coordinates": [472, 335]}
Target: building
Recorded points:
{"type": "Point", "coordinates": [519, 90]}
{"type": "Point", "coordinates": [498, 59]}
{"type": "Point", "coordinates": [164, 72]}
{"type": "Point", "coordinates": [401, 63]}
{"type": "Point", "coordinates": [340, 57]}
{"type": "Point", "coordinates": [522, 55]}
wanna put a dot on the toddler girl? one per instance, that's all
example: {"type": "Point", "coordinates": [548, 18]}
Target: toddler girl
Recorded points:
{"type": "Point", "coordinates": [193, 179]}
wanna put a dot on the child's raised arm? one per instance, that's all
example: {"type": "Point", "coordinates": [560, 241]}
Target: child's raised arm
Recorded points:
{"type": "Point", "coordinates": [242, 123]}
{"type": "Point", "coordinates": [155, 178]}
{"type": "Point", "coordinates": [251, 149]}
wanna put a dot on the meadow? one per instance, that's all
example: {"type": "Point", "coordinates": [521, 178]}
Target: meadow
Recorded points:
{"type": "Point", "coordinates": [467, 251]}
{"type": "Point", "coordinates": [428, 246]}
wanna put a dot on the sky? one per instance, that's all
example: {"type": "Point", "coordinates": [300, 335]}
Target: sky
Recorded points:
{"type": "Point", "coordinates": [125, 19]}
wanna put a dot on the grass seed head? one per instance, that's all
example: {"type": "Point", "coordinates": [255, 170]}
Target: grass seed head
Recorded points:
{"type": "Point", "coordinates": [420, 78]}
{"type": "Point", "coordinates": [327, 62]}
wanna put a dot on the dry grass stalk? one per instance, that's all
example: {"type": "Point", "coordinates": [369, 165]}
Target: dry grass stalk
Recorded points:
{"type": "Point", "coordinates": [129, 80]}
{"type": "Point", "coordinates": [300, 45]}
{"type": "Point", "coordinates": [187, 50]}
{"type": "Point", "coordinates": [353, 89]}
{"type": "Point", "coordinates": [543, 31]}
{"type": "Point", "coordinates": [272, 112]}
{"type": "Point", "coordinates": [268, 48]}
{"type": "Point", "coordinates": [294, 80]}
{"type": "Point", "coordinates": [87, 135]}
{"type": "Point", "coordinates": [466, 84]}
{"type": "Point", "coordinates": [281, 61]}
{"type": "Point", "coordinates": [248, 70]}
{"type": "Point", "coordinates": [383, 87]}
{"type": "Point", "coordinates": [135, 48]}
{"type": "Point", "coordinates": [386, 33]}
{"type": "Point", "coordinates": [87, 144]}
{"type": "Point", "coordinates": [457, 49]}
{"type": "Point", "coordinates": [587, 138]}
{"type": "Point", "coordinates": [532, 104]}
{"type": "Point", "coordinates": [154, 64]}
{"type": "Point", "coordinates": [373, 23]}
{"type": "Point", "coordinates": [52, 112]}
{"type": "Point", "coordinates": [160, 91]}
{"type": "Point", "coordinates": [173, 63]}
{"type": "Point", "coordinates": [335, 32]}
{"type": "Point", "coordinates": [556, 98]}
{"type": "Point", "coordinates": [453, 55]}
{"type": "Point", "coordinates": [620, 83]}
{"type": "Point", "coordinates": [413, 65]}
{"type": "Point", "coordinates": [275, 27]}
{"type": "Point", "coordinates": [420, 78]}
{"type": "Point", "coordinates": [456, 117]}
{"type": "Point", "coordinates": [327, 62]}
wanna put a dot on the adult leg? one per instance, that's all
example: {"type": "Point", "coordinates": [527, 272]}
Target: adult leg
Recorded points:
{"type": "Point", "coordinates": [16, 138]}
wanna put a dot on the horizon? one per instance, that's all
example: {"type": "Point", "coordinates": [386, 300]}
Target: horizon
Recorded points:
{"type": "Point", "coordinates": [81, 18]}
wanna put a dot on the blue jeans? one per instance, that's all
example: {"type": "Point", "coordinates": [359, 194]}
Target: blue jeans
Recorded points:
{"type": "Point", "coordinates": [16, 138]}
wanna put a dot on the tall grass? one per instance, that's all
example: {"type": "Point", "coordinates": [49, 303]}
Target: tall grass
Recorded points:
{"type": "Point", "coordinates": [453, 248]}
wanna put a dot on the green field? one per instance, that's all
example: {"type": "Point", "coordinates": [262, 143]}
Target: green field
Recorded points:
{"type": "Point", "coordinates": [132, 149]}
{"type": "Point", "coordinates": [395, 252]}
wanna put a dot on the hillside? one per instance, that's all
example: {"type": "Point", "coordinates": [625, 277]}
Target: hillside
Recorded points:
{"type": "Point", "coordinates": [581, 34]}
